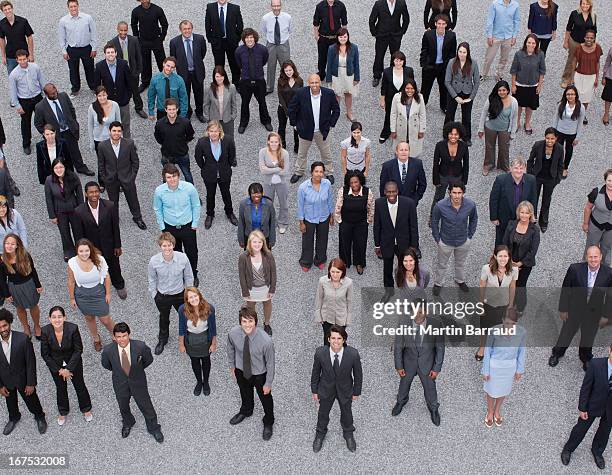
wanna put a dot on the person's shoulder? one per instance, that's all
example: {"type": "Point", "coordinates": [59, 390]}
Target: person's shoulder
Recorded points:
{"type": "Point", "coordinates": [154, 258]}
{"type": "Point", "coordinates": [351, 352]}
{"type": "Point", "coordinates": [181, 308]}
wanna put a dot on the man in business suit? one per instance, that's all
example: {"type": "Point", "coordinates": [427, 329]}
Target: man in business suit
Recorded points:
{"type": "Point", "coordinates": [595, 401]}
{"type": "Point", "coordinates": [336, 374]}
{"type": "Point", "coordinates": [18, 374]}
{"type": "Point", "coordinates": [508, 190]}
{"type": "Point", "coordinates": [388, 22]}
{"type": "Point", "coordinates": [57, 109]}
{"type": "Point", "coordinates": [419, 354]}
{"type": "Point", "coordinates": [407, 172]}
{"type": "Point", "coordinates": [395, 229]}
{"type": "Point", "coordinates": [585, 299]}
{"type": "Point", "coordinates": [438, 47]}
{"type": "Point", "coordinates": [98, 220]}
{"type": "Point", "coordinates": [223, 22]}
{"type": "Point", "coordinates": [189, 49]}
{"type": "Point", "coordinates": [311, 125]}
{"type": "Point", "coordinates": [127, 359]}
{"type": "Point", "coordinates": [118, 165]}
{"type": "Point", "coordinates": [115, 75]}
{"type": "Point", "coordinates": [128, 48]}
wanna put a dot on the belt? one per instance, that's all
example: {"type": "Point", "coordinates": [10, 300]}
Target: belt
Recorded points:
{"type": "Point", "coordinates": [331, 37]}
{"type": "Point", "coordinates": [179, 226]}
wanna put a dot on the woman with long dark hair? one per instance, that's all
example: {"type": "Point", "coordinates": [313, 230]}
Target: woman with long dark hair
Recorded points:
{"type": "Point", "coordinates": [355, 151]}
{"type": "Point", "coordinates": [568, 123]}
{"type": "Point", "coordinates": [220, 101]}
{"type": "Point", "coordinates": [343, 69]}
{"type": "Point", "coordinates": [393, 78]}
{"type": "Point", "coordinates": [440, 7]}
{"type": "Point", "coordinates": [542, 22]}
{"type": "Point", "coordinates": [289, 83]}
{"type": "Point", "coordinates": [11, 222]}
{"type": "Point", "coordinates": [409, 118]}
{"type": "Point", "coordinates": [410, 274]}
{"type": "Point", "coordinates": [101, 113]}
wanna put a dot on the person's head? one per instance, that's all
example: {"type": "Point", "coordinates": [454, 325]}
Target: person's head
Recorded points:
{"type": "Point", "coordinates": [570, 94]}
{"type": "Point", "coordinates": [354, 179]}
{"type": "Point", "coordinates": [463, 52]}
{"type": "Point", "coordinates": [101, 95]}
{"type": "Point", "coordinates": [256, 243]}
{"type": "Point", "coordinates": [531, 45]}
{"type": "Point", "coordinates": [4, 207]}
{"type": "Point", "coordinates": [343, 38]}
{"type": "Point", "coordinates": [49, 133]}
{"type": "Point", "coordinates": [409, 90]}
{"type": "Point", "coordinates": [115, 130]}
{"type": "Point", "coordinates": [356, 130]}
{"type": "Point", "coordinates": [221, 2]}
{"type": "Point", "coordinates": [608, 178]}
{"type": "Point", "coordinates": [398, 59]}
{"type": "Point", "coordinates": [145, 3]}
{"type": "Point", "coordinates": [593, 255]}
{"type": "Point", "coordinates": [317, 171]}
{"type": "Point", "coordinates": [456, 191]}
{"type": "Point", "coordinates": [86, 250]}
{"type": "Point", "coordinates": [171, 108]}
{"type": "Point", "coordinates": [169, 65]}
{"type": "Point", "coordinates": [337, 338]}
{"type": "Point", "coordinates": [501, 89]}
{"type": "Point", "coordinates": [92, 193]}
{"type": "Point", "coordinates": [510, 318]}
{"type": "Point", "coordinates": [402, 151]}
{"type": "Point", "coordinates": [391, 192]}
{"type": "Point", "coordinates": [192, 297]}
{"type": "Point", "coordinates": [586, 6]}
{"type": "Point", "coordinates": [525, 212]}
{"type": "Point", "coordinates": [247, 317]}
{"type": "Point", "coordinates": [12, 244]}
{"type": "Point", "coordinates": [110, 52]}
{"type": "Point", "coordinates": [196, 307]}
{"type": "Point", "coordinates": [22, 58]}
{"type": "Point", "coordinates": [171, 175]}
{"type": "Point", "coordinates": [7, 8]}
{"type": "Point", "coordinates": [186, 28]}
{"type": "Point", "coordinates": [407, 265]}
{"type": "Point", "coordinates": [73, 7]}
{"type": "Point", "coordinates": [518, 167]}
{"type": "Point", "coordinates": [220, 78]}
{"type": "Point", "coordinates": [314, 83]}
{"type": "Point", "coordinates": [249, 37]}
{"type": "Point", "coordinates": [255, 192]}
{"type": "Point", "coordinates": [550, 136]}
{"type": "Point", "coordinates": [214, 130]}
{"type": "Point", "coordinates": [453, 132]}
{"type": "Point", "coordinates": [58, 169]}
{"type": "Point", "coordinates": [336, 270]}
{"type": "Point", "coordinates": [166, 243]}
{"type": "Point", "coordinates": [6, 320]}
{"type": "Point", "coordinates": [121, 334]}
{"type": "Point", "coordinates": [57, 317]}
{"type": "Point", "coordinates": [288, 71]}
{"type": "Point", "coordinates": [501, 260]}
{"type": "Point", "coordinates": [50, 91]}
{"type": "Point", "coordinates": [276, 6]}
{"type": "Point", "coordinates": [589, 37]}
{"type": "Point", "coordinates": [441, 22]}
{"type": "Point", "coordinates": [122, 29]}
{"type": "Point", "coordinates": [274, 142]}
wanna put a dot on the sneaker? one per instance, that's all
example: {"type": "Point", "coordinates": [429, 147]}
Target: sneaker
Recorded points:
{"type": "Point", "coordinates": [305, 269]}
{"type": "Point", "coordinates": [282, 229]}
{"type": "Point", "coordinates": [321, 266]}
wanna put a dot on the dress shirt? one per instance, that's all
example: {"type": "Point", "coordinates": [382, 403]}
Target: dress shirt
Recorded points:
{"type": "Point", "coordinates": [503, 21]}
{"type": "Point", "coordinates": [332, 356]}
{"type": "Point", "coordinates": [116, 147]}
{"type": "Point", "coordinates": [393, 212]}
{"type": "Point", "coordinates": [188, 45]}
{"type": "Point", "coordinates": [260, 58]}
{"type": "Point", "coordinates": [215, 148]}
{"type": "Point", "coordinates": [127, 351]}
{"type": "Point", "coordinates": [94, 211]}
{"type": "Point", "coordinates": [315, 206]}
{"type": "Point", "coordinates": [454, 226]}
{"type": "Point", "coordinates": [321, 17]}
{"type": "Point", "coordinates": [262, 352]}
{"type": "Point", "coordinates": [77, 31]}
{"type": "Point", "coordinates": [112, 67]}
{"type": "Point", "coordinates": [401, 165]}
{"type": "Point", "coordinates": [268, 22]}
{"type": "Point", "coordinates": [315, 101]}
{"type": "Point", "coordinates": [518, 191]}
{"type": "Point", "coordinates": [439, 44]}
{"type": "Point", "coordinates": [149, 24]}
{"type": "Point", "coordinates": [6, 347]}
{"type": "Point", "coordinates": [391, 6]}
{"type": "Point", "coordinates": [124, 48]}
{"type": "Point", "coordinates": [176, 207]}
{"type": "Point", "coordinates": [174, 137]}
{"type": "Point", "coordinates": [419, 329]}
{"type": "Point", "coordinates": [169, 277]}
{"type": "Point", "coordinates": [25, 83]}
{"type": "Point", "coordinates": [55, 104]}
{"type": "Point", "coordinates": [157, 93]}
{"type": "Point", "coordinates": [592, 277]}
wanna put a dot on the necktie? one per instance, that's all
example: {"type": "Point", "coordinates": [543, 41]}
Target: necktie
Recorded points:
{"type": "Point", "coordinates": [167, 89]}
{"type": "Point", "coordinates": [61, 118]}
{"type": "Point", "coordinates": [330, 14]}
{"type": "Point", "coordinates": [403, 173]}
{"type": "Point", "coordinates": [251, 64]}
{"type": "Point", "coordinates": [336, 364]}
{"type": "Point", "coordinates": [125, 363]}
{"type": "Point", "coordinates": [222, 21]}
{"type": "Point", "coordinates": [277, 33]}
{"type": "Point", "coordinates": [609, 402]}
{"type": "Point", "coordinates": [189, 54]}
{"type": "Point", "coordinates": [246, 359]}
{"type": "Point", "coordinates": [590, 284]}
{"type": "Point", "coordinates": [124, 49]}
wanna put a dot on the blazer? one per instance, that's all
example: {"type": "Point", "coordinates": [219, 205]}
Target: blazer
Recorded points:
{"type": "Point", "coordinates": [70, 350]}
{"type": "Point", "coordinates": [123, 168]}
{"type": "Point", "coordinates": [268, 221]}
{"type": "Point", "coordinates": [211, 105]}
{"type": "Point", "coordinates": [415, 184]}
{"type": "Point", "coordinates": [245, 272]}
{"type": "Point", "coordinates": [458, 83]}
{"type": "Point", "coordinates": [105, 234]}
{"type": "Point", "coordinates": [233, 24]}
{"type": "Point", "coordinates": [300, 113]}
{"type": "Point", "coordinates": [405, 232]}
{"type": "Point", "coordinates": [408, 126]}
{"type": "Point", "coordinates": [501, 198]}
{"type": "Point", "coordinates": [574, 297]}
{"type": "Point", "coordinates": [536, 160]}
{"type": "Point", "coordinates": [198, 47]}
{"type": "Point", "coordinates": [119, 90]}
{"type": "Point", "coordinates": [442, 158]}
{"type": "Point", "coordinates": [59, 202]}
{"type": "Point", "coordinates": [134, 53]}
{"type": "Point", "coordinates": [528, 247]}
{"type": "Point", "coordinates": [383, 24]}
{"type": "Point", "coordinates": [429, 48]}
{"type": "Point", "coordinates": [134, 384]}
{"type": "Point", "coordinates": [594, 390]}
{"type": "Point", "coordinates": [387, 88]}
{"type": "Point", "coordinates": [327, 384]}
{"type": "Point", "coordinates": [213, 170]}
{"type": "Point", "coordinates": [412, 358]}
{"type": "Point", "coordinates": [352, 62]}
{"type": "Point", "coordinates": [43, 161]}
{"type": "Point", "coordinates": [21, 372]}
{"type": "Point", "coordinates": [43, 114]}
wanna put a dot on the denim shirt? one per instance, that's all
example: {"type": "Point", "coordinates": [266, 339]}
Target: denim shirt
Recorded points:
{"type": "Point", "coordinates": [503, 21]}
{"type": "Point", "coordinates": [315, 206]}
{"type": "Point", "coordinates": [505, 348]}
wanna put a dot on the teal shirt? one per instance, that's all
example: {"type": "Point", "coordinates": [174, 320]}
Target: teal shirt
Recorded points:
{"type": "Point", "coordinates": [177, 207]}
{"type": "Point", "coordinates": [157, 93]}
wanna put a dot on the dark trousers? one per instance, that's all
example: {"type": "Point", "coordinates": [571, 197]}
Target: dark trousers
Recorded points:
{"type": "Point", "coordinates": [138, 105]}
{"type": "Point", "coordinates": [386, 131]}
{"type": "Point", "coordinates": [429, 385]}
{"type": "Point", "coordinates": [568, 141]}
{"type": "Point", "coordinates": [143, 401]}
{"type": "Point", "coordinates": [61, 386]}
{"type": "Point", "coordinates": [131, 196]}
{"type": "Point", "coordinates": [600, 441]}
{"type": "Point", "coordinates": [441, 190]}
{"type": "Point", "coordinates": [322, 48]}
{"type": "Point", "coordinates": [185, 236]}
{"type": "Point", "coordinates": [431, 74]}
{"type": "Point", "coordinates": [547, 187]}
{"type": "Point", "coordinates": [164, 303]}
{"type": "Point", "coordinates": [74, 151]}
{"type": "Point", "coordinates": [248, 400]}
{"type": "Point", "coordinates": [466, 113]}
{"type": "Point", "coordinates": [248, 89]}
{"type": "Point", "coordinates": [544, 42]}
{"type": "Point", "coordinates": [201, 369]}
{"type": "Point", "coordinates": [183, 163]}
{"type": "Point", "coordinates": [65, 224]}
{"type": "Point", "coordinates": [312, 253]}
{"type": "Point", "coordinates": [211, 192]}
{"type": "Point", "coordinates": [393, 43]}
{"type": "Point", "coordinates": [326, 327]}
{"type": "Point", "coordinates": [499, 232]}
{"type": "Point", "coordinates": [222, 49]}
{"type": "Point", "coordinates": [147, 47]}
{"type": "Point", "coordinates": [346, 415]}
{"type": "Point", "coordinates": [82, 54]}
{"type": "Point", "coordinates": [520, 299]}
{"type": "Point", "coordinates": [26, 118]}
{"type": "Point", "coordinates": [587, 323]}
{"type": "Point", "coordinates": [191, 82]}
{"type": "Point", "coordinates": [32, 403]}
{"type": "Point", "coordinates": [282, 127]}
{"type": "Point", "coordinates": [114, 271]}
{"type": "Point", "coordinates": [388, 279]}
{"type": "Point", "coordinates": [353, 240]}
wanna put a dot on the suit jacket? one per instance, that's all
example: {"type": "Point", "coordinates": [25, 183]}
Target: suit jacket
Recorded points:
{"type": "Point", "coordinates": [21, 372]}
{"type": "Point", "coordinates": [383, 24]}
{"type": "Point", "coordinates": [416, 181]}
{"type": "Point", "coordinates": [43, 161]}
{"type": "Point", "coordinates": [528, 246]}
{"type": "Point", "coordinates": [211, 168]}
{"type": "Point", "coordinates": [198, 46]}
{"type": "Point", "coordinates": [134, 53]}
{"type": "Point", "coordinates": [134, 384]}
{"type": "Point", "coordinates": [300, 112]}
{"type": "Point", "coordinates": [105, 234]}
{"type": "Point", "coordinates": [574, 297]}
{"type": "Point", "coordinates": [387, 88]}
{"type": "Point", "coordinates": [233, 24]}
{"type": "Point", "coordinates": [426, 357]}
{"type": "Point", "coordinates": [429, 48]}
{"type": "Point", "coordinates": [501, 199]}
{"type": "Point", "coordinates": [70, 350]}
{"type": "Point", "coordinates": [211, 105]}
{"type": "Point", "coordinates": [406, 230]}
{"type": "Point", "coordinates": [119, 90]}
{"type": "Point", "coordinates": [327, 384]}
{"type": "Point", "coordinates": [536, 160]}
{"type": "Point", "coordinates": [43, 114]}
{"type": "Point", "coordinates": [594, 390]}
{"type": "Point", "coordinates": [123, 168]}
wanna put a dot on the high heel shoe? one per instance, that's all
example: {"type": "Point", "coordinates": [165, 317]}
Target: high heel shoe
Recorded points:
{"type": "Point", "coordinates": [478, 357]}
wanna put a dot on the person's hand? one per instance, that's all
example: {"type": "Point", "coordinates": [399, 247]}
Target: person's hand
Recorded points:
{"type": "Point", "coordinates": [54, 221]}
{"type": "Point", "coordinates": [29, 390]}
{"type": "Point", "coordinates": [421, 135]}
{"type": "Point", "coordinates": [381, 102]}
{"type": "Point", "coordinates": [93, 54]}
{"type": "Point", "coordinates": [30, 58]}
{"type": "Point", "coordinates": [433, 374]}
{"type": "Point", "coordinates": [486, 377]}
{"type": "Point", "coordinates": [9, 299]}
{"type": "Point", "coordinates": [39, 290]}
{"type": "Point", "coordinates": [118, 251]}
{"type": "Point", "coordinates": [538, 89]}
{"type": "Point", "coordinates": [554, 36]}
{"type": "Point", "coordinates": [355, 83]}
{"type": "Point", "coordinates": [107, 298]}
{"type": "Point", "coordinates": [517, 376]}
{"type": "Point", "coordinates": [355, 398]}
{"type": "Point", "coordinates": [393, 135]}
{"type": "Point", "coordinates": [565, 45]}
{"type": "Point", "coordinates": [585, 227]}
{"type": "Point", "coordinates": [4, 392]}
{"type": "Point", "coordinates": [512, 41]}
{"type": "Point", "coordinates": [378, 252]}
{"type": "Point", "coordinates": [596, 83]}
{"type": "Point", "coordinates": [73, 303]}
{"type": "Point", "coordinates": [563, 316]}
{"type": "Point", "coordinates": [603, 322]}
{"type": "Point", "coordinates": [480, 135]}
{"type": "Point", "coordinates": [495, 222]}
{"type": "Point", "coordinates": [267, 390]}
{"type": "Point", "coordinates": [302, 228]}
{"type": "Point", "coordinates": [182, 348]}
{"type": "Point", "coordinates": [270, 296]}
{"type": "Point", "coordinates": [66, 56]}
{"type": "Point", "coordinates": [213, 347]}
{"type": "Point", "coordinates": [401, 372]}
{"type": "Point", "coordinates": [575, 142]}
{"type": "Point", "coordinates": [490, 41]}
{"type": "Point", "coordinates": [603, 81]}
{"type": "Point", "coordinates": [4, 61]}
{"type": "Point", "coordinates": [513, 89]}
{"type": "Point", "coordinates": [365, 174]}
{"type": "Point", "coordinates": [20, 111]}
{"type": "Point", "coordinates": [459, 100]}
{"type": "Point", "coordinates": [233, 371]}
{"type": "Point", "coordinates": [152, 117]}
{"type": "Point", "coordinates": [584, 415]}
{"type": "Point", "coordinates": [518, 264]}
{"type": "Point", "coordinates": [315, 397]}
{"type": "Point", "coordinates": [331, 219]}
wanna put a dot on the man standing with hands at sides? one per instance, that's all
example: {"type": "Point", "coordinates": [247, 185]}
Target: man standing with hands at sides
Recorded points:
{"type": "Point", "coordinates": [336, 374]}
{"type": "Point", "coordinates": [15, 33]}
{"type": "Point", "coordinates": [329, 17]}
{"type": "Point", "coordinates": [407, 172]}
{"type": "Point", "coordinates": [167, 85]}
{"type": "Point", "coordinates": [502, 28]}
{"type": "Point", "coordinates": [223, 23]}
{"type": "Point", "coordinates": [18, 374]}
{"type": "Point", "coordinates": [150, 26]}
{"type": "Point", "coordinates": [128, 359]}
{"type": "Point", "coordinates": [251, 356]}
{"type": "Point", "coordinates": [276, 28]}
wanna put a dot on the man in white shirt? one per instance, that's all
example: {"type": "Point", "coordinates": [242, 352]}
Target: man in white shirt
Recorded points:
{"type": "Point", "coordinates": [276, 28]}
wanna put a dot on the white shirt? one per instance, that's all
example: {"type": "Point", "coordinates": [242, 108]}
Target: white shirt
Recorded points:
{"type": "Point", "coordinates": [6, 347]}
{"type": "Point", "coordinates": [419, 329]}
{"type": "Point", "coordinates": [94, 211]}
{"type": "Point", "coordinates": [592, 277]}
{"type": "Point", "coordinates": [52, 152]}
{"type": "Point", "coordinates": [393, 207]}
{"type": "Point", "coordinates": [398, 79]}
{"type": "Point", "coordinates": [268, 22]}
{"type": "Point", "coordinates": [332, 356]}
{"type": "Point", "coordinates": [52, 104]}
{"type": "Point", "coordinates": [315, 101]}
{"type": "Point", "coordinates": [391, 6]}
{"type": "Point", "coordinates": [116, 147]}
{"type": "Point", "coordinates": [127, 350]}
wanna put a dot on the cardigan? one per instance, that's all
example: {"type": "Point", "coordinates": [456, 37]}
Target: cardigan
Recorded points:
{"type": "Point", "coordinates": [513, 115]}
{"type": "Point", "coordinates": [245, 272]}
{"type": "Point", "coordinates": [212, 322]}
{"type": "Point", "coordinates": [268, 169]}
{"type": "Point", "coordinates": [268, 221]}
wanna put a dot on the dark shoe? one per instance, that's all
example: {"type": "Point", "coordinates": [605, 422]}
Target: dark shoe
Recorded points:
{"type": "Point", "coordinates": [359, 269]}
{"type": "Point", "coordinates": [468, 143]}
{"type": "Point", "coordinates": [296, 148]}
{"type": "Point", "coordinates": [159, 348]}
{"type": "Point", "coordinates": [205, 389]}
{"type": "Point", "coordinates": [196, 282]}
{"type": "Point", "coordinates": [122, 293]}
{"type": "Point", "coordinates": [102, 188]}
{"type": "Point", "coordinates": [268, 329]}
{"type": "Point", "coordinates": [142, 88]}
{"type": "Point", "coordinates": [387, 295]}
{"type": "Point", "coordinates": [397, 409]}
{"type": "Point", "coordinates": [267, 432]}
{"type": "Point", "coordinates": [140, 223]}
{"type": "Point", "coordinates": [27, 150]}
{"type": "Point", "coordinates": [42, 425]}
{"type": "Point", "coordinates": [478, 357]}
{"type": "Point", "coordinates": [232, 219]}
{"type": "Point", "coordinates": [553, 361]}
{"type": "Point", "coordinates": [317, 443]}
{"type": "Point", "coordinates": [435, 417]}
{"type": "Point", "coordinates": [584, 122]}
{"type": "Point", "coordinates": [375, 82]}
{"type": "Point", "coordinates": [584, 365]}
{"type": "Point", "coordinates": [599, 461]}
{"type": "Point", "coordinates": [125, 431]}
{"type": "Point", "coordinates": [294, 178]}
{"type": "Point", "coordinates": [436, 290]}
{"type": "Point", "coordinates": [463, 286]}
{"type": "Point", "coordinates": [16, 191]}
{"type": "Point", "coordinates": [351, 444]}
{"type": "Point", "coordinates": [142, 114]}
{"type": "Point", "coordinates": [86, 171]}
{"type": "Point", "coordinates": [237, 419]}
{"type": "Point", "coordinates": [270, 91]}
{"type": "Point", "coordinates": [331, 179]}
{"type": "Point", "coordinates": [381, 140]}
{"type": "Point", "coordinates": [268, 127]}
{"type": "Point", "coordinates": [208, 222]}
{"type": "Point", "coordinates": [566, 456]}
{"type": "Point", "coordinates": [543, 227]}
{"type": "Point", "coordinates": [8, 428]}
{"type": "Point", "coordinates": [158, 436]}
{"type": "Point", "coordinates": [200, 118]}
{"type": "Point", "coordinates": [66, 258]}
{"type": "Point", "coordinates": [198, 389]}
{"type": "Point", "coordinates": [241, 129]}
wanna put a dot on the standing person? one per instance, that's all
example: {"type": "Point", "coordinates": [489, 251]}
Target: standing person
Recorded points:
{"type": "Point", "coordinates": [568, 122]}
{"type": "Point", "coordinates": [579, 21]}
{"type": "Point", "coordinates": [453, 225]}
{"type": "Point", "coordinates": [438, 47]}
{"type": "Point", "coordinates": [597, 220]}
{"type": "Point", "coordinates": [498, 125]}
{"type": "Point", "coordinates": [47, 150]}
{"type": "Point", "coordinates": [274, 167]}
{"type": "Point", "coordinates": [606, 82]}
{"type": "Point", "coordinates": [198, 336]}
{"type": "Point", "coordinates": [276, 27]}
{"type": "Point", "coordinates": [11, 222]}
{"type": "Point", "coordinates": [289, 83]}
{"type": "Point", "coordinates": [406, 172]}
{"type": "Point", "coordinates": [26, 83]}
{"type": "Point", "coordinates": [331, 380]}
{"type": "Point", "coordinates": [127, 359]}
{"type": "Point", "coordinates": [410, 274]}
{"type": "Point", "coordinates": [334, 299]}
{"type": "Point", "coordinates": [150, 26]}
{"type": "Point", "coordinates": [256, 213]}
{"type": "Point", "coordinates": [220, 101]}
{"type": "Point", "coordinates": [224, 25]}
{"type": "Point", "coordinates": [354, 212]}
{"type": "Point", "coordinates": [251, 57]}
{"type": "Point", "coordinates": [63, 193]}
{"type": "Point", "coordinates": [586, 75]}
{"type": "Point", "coordinates": [15, 34]}
{"type": "Point", "coordinates": [343, 70]}
{"type": "Point", "coordinates": [250, 352]}
{"type": "Point", "coordinates": [393, 78]}
{"type": "Point", "coordinates": [542, 22]}
{"type": "Point", "coordinates": [329, 17]}
{"type": "Point", "coordinates": [355, 151]}
{"type": "Point", "coordinates": [408, 118]}
{"type": "Point", "coordinates": [189, 49]}
{"type": "Point", "coordinates": [165, 85]}
{"type": "Point", "coordinates": [388, 23]}
{"type": "Point", "coordinates": [315, 214]}
{"type": "Point", "coordinates": [528, 70]}
{"type": "Point", "coordinates": [502, 28]}
{"type": "Point", "coordinates": [313, 111]}
{"type": "Point", "coordinates": [101, 113]}
{"type": "Point", "coordinates": [18, 374]}
{"type": "Point", "coordinates": [61, 347]}
{"type": "Point", "coordinates": [546, 165]}
{"type": "Point", "coordinates": [177, 208]}
{"type": "Point", "coordinates": [433, 8]}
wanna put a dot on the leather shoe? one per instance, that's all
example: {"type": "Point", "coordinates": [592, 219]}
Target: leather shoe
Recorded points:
{"type": "Point", "coordinates": [566, 456]}
{"type": "Point", "coordinates": [294, 178]}
{"type": "Point", "coordinates": [208, 222]}
{"type": "Point", "coordinates": [125, 431]}
{"type": "Point", "coordinates": [158, 436]}
{"type": "Point", "coordinates": [140, 223]}
{"type": "Point", "coordinates": [359, 269]}
{"type": "Point", "coordinates": [584, 365]}
{"type": "Point", "coordinates": [543, 227]}
{"type": "Point", "coordinates": [27, 150]}
{"type": "Point", "coordinates": [375, 82]}
{"type": "Point", "coordinates": [241, 129]}
{"type": "Point", "coordinates": [42, 425]}
{"type": "Point", "coordinates": [317, 444]}
{"type": "Point", "coordinates": [122, 293]}
{"type": "Point", "coordinates": [397, 409]}
{"type": "Point", "coordinates": [142, 88]}
{"type": "Point", "coordinates": [268, 127]}
{"type": "Point", "coordinates": [463, 286]}
{"type": "Point", "coordinates": [8, 428]}
{"type": "Point", "coordinates": [267, 432]}
{"type": "Point", "coordinates": [331, 178]}
{"type": "Point", "coordinates": [197, 390]}
{"type": "Point", "coordinates": [599, 461]}
{"type": "Point", "coordinates": [232, 219]}
{"type": "Point", "coordinates": [435, 417]}
{"type": "Point", "coordinates": [159, 348]}
{"type": "Point", "coordinates": [205, 389]}
{"type": "Point", "coordinates": [237, 419]}
{"type": "Point", "coordinates": [436, 290]}
{"type": "Point", "coordinates": [553, 361]}
{"type": "Point", "coordinates": [200, 118]}
{"type": "Point", "coordinates": [196, 282]}
{"type": "Point", "coordinates": [16, 191]}
{"type": "Point", "coordinates": [86, 171]}
{"type": "Point", "coordinates": [351, 444]}
{"type": "Point", "coordinates": [142, 114]}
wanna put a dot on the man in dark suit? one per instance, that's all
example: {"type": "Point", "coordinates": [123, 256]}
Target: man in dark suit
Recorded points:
{"type": "Point", "coordinates": [407, 172]}
{"type": "Point", "coordinates": [189, 49]}
{"type": "Point", "coordinates": [595, 401]}
{"type": "Point", "coordinates": [388, 22]}
{"type": "Point", "coordinates": [57, 109]}
{"type": "Point", "coordinates": [510, 189]}
{"type": "Point", "coordinates": [128, 359]}
{"type": "Point", "coordinates": [223, 22]}
{"type": "Point", "coordinates": [98, 220]}
{"type": "Point", "coordinates": [128, 48]}
{"type": "Point", "coordinates": [438, 47]}
{"type": "Point", "coordinates": [118, 165]}
{"type": "Point", "coordinates": [336, 374]}
{"type": "Point", "coordinates": [395, 229]}
{"type": "Point", "coordinates": [18, 374]}
{"type": "Point", "coordinates": [585, 299]}
{"type": "Point", "coordinates": [309, 128]}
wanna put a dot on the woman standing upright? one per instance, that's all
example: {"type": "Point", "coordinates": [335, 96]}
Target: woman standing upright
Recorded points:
{"type": "Point", "coordinates": [542, 22]}
{"type": "Point", "coordinates": [606, 82]}
{"type": "Point", "coordinates": [597, 221]}
{"type": "Point", "coordinates": [355, 151]}
{"type": "Point", "coordinates": [343, 70]}
{"type": "Point", "coordinates": [408, 118]}
{"type": "Point", "coordinates": [47, 150]}
{"type": "Point", "coordinates": [393, 78]}
{"type": "Point", "coordinates": [410, 273]}
{"type": "Point", "coordinates": [256, 213]}
{"type": "Point", "coordinates": [275, 169]}
{"type": "Point", "coordinates": [567, 121]}
{"type": "Point", "coordinates": [440, 7]}
{"type": "Point", "coordinates": [586, 75]}
{"type": "Point", "coordinates": [580, 20]}
{"type": "Point", "coordinates": [220, 101]}
{"type": "Point", "coordinates": [289, 83]}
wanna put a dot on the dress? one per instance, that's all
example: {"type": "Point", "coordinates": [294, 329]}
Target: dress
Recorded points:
{"type": "Point", "coordinates": [504, 357]}
{"type": "Point", "coordinates": [343, 84]}
{"type": "Point", "coordinates": [89, 291]}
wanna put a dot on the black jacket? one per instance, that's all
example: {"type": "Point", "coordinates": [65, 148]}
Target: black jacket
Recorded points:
{"type": "Point", "coordinates": [383, 24]}
{"type": "Point", "coordinates": [21, 372]}
{"type": "Point", "coordinates": [233, 24]}
{"type": "Point", "coordinates": [501, 198]}
{"type": "Point", "coordinates": [134, 53]}
{"type": "Point", "coordinates": [43, 161]}
{"type": "Point", "coordinates": [106, 234]}
{"type": "Point", "coordinates": [300, 112]}
{"type": "Point", "coordinates": [416, 182]}
{"type": "Point", "coordinates": [211, 168]}
{"type": "Point", "coordinates": [66, 201]}
{"type": "Point", "coordinates": [429, 15]}
{"type": "Point", "coordinates": [69, 351]}
{"type": "Point", "coordinates": [429, 48]}
{"type": "Point", "coordinates": [387, 88]}
{"type": "Point", "coordinates": [44, 115]}
{"type": "Point", "coordinates": [134, 384]}
{"type": "Point", "coordinates": [574, 297]}
{"type": "Point", "coordinates": [120, 89]}
{"type": "Point", "coordinates": [327, 384]}
{"type": "Point", "coordinates": [123, 169]}
{"type": "Point", "coordinates": [594, 390]}
{"type": "Point", "coordinates": [406, 230]}
{"type": "Point", "coordinates": [198, 47]}
{"type": "Point", "coordinates": [528, 247]}
{"type": "Point", "coordinates": [442, 160]}
{"type": "Point", "coordinates": [536, 160]}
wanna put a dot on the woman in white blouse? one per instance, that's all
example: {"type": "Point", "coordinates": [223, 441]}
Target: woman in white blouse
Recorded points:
{"type": "Point", "coordinates": [408, 118]}
{"type": "Point", "coordinates": [355, 151]}
{"type": "Point", "coordinates": [334, 298]}
{"type": "Point", "coordinates": [102, 112]}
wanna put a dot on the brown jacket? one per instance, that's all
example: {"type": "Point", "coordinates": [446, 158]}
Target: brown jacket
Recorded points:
{"type": "Point", "coordinates": [245, 272]}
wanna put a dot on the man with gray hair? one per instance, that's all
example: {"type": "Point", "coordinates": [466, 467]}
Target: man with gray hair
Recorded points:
{"type": "Point", "coordinates": [276, 28]}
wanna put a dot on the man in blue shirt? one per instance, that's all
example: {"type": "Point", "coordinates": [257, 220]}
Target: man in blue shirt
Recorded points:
{"type": "Point", "coordinates": [502, 28]}
{"type": "Point", "coordinates": [164, 85]}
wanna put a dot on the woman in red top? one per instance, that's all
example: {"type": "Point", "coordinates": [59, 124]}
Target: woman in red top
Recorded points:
{"type": "Point", "coordinates": [587, 69]}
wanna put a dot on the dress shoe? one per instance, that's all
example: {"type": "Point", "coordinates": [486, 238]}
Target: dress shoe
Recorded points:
{"type": "Point", "coordinates": [599, 461]}
{"type": "Point", "coordinates": [159, 348]}
{"type": "Point", "coordinates": [200, 118]}
{"type": "Point", "coordinates": [375, 82]}
{"type": "Point", "coordinates": [566, 456]}
{"type": "Point", "coordinates": [553, 361]}
{"type": "Point", "coordinates": [140, 223]}
{"type": "Point", "coordinates": [16, 191]}
{"type": "Point", "coordinates": [435, 417]}
{"type": "Point", "coordinates": [241, 129]}
{"type": "Point", "coordinates": [268, 329]}
{"type": "Point", "coordinates": [8, 428]}
{"type": "Point", "coordinates": [142, 88]}
{"type": "Point", "coordinates": [351, 444]}
{"type": "Point", "coordinates": [208, 222]}
{"type": "Point", "coordinates": [158, 436]}
{"type": "Point", "coordinates": [294, 178]}
{"type": "Point", "coordinates": [296, 147]}
{"type": "Point", "coordinates": [270, 91]}
{"type": "Point", "coordinates": [98, 344]}
{"type": "Point", "coordinates": [198, 389]}
{"type": "Point", "coordinates": [359, 269]}
{"type": "Point", "coordinates": [463, 286]}
{"type": "Point", "coordinates": [543, 227]}
{"type": "Point", "coordinates": [397, 409]}
{"type": "Point", "coordinates": [122, 293]}
{"type": "Point", "coordinates": [268, 127]}
{"type": "Point", "coordinates": [206, 389]}
{"type": "Point", "coordinates": [27, 150]}
{"type": "Point", "coordinates": [237, 419]}
{"type": "Point", "coordinates": [73, 94]}
{"type": "Point", "coordinates": [436, 290]}
{"type": "Point", "coordinates": [381, 140]}
{"type": "Point", "coordinates": [267, 432]}
{"type": "Point", "coordinates": [584, 365]}
{"type": "Point", "coordinates": [196, 282]}
{"type": "Point", "coordinates": [86, 171]}
{"type": "Point", "coordinates": [468, 143]}
{"type": "Point", "coordinates": [142, 114]}
{"type": "Point", "coordinates": [331, 178]}
{"type": "Point", "coordinates": [125, 431]}
{"type": "Point", "coordinates": [42, 425]}
{"type": "Point", "coordinates": [232, 219]}
{"type": "Point", "coordinates": [387, 295]}
{"type": "Point", "coordinates": [102, 188]}
{"type": "Point", "coordinates": [317, 443]}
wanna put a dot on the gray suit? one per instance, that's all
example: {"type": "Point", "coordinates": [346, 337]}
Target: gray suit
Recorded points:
{"type": "Point", "coordinates": [230, 108]}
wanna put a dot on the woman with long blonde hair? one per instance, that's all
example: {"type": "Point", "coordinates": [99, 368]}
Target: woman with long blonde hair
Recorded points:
{"type": "Point", "coordinates": [274, 166]}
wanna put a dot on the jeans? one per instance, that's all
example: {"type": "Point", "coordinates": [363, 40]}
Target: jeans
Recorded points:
{"type": "Point", "coordinates": [183, 163]}
{"type": "Point", "coordinates": [11, 64]}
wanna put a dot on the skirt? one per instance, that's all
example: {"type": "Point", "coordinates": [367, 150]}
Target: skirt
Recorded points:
{"type": "Point", "coordinates": [526, 97]}
{"type": "Point", "coordinates": [501, 377]}
{"type": "Point", "coordinates": [492, 316]}
{"type": "Point", "coordinates": [343, 84]}
{"type": "Point", "coordinates": [606, 95]}
{"type": "Point", "coordinates": [585, 83]}
{"type": "Point", "coordinates": [91, 301]}
{"type": "Point", "coordinates": [259, 294]}
{"type": "Point", "coordinates": [24, 295]}
{"type": "Point", "coordinates": [197, 344]}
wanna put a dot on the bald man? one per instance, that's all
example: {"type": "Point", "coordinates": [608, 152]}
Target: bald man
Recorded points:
{"type": "Point", "coordinates": [406, 171]}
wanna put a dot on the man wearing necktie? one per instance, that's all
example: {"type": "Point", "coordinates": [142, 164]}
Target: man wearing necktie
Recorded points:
{"type": "Point", "coordinates": [406, 171]}
{"type": "Point", "coordinates": [276, 28]}
{"type": "Point", "coordinates": [166, 85]}
{"type": "Point", "coordinates": [329, 17]}
{"type": "Point", "coordinates": [223, 23]}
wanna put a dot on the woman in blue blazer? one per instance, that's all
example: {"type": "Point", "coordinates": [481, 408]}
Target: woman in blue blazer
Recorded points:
{"type": "Point", "coordinates": [343, 70]}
